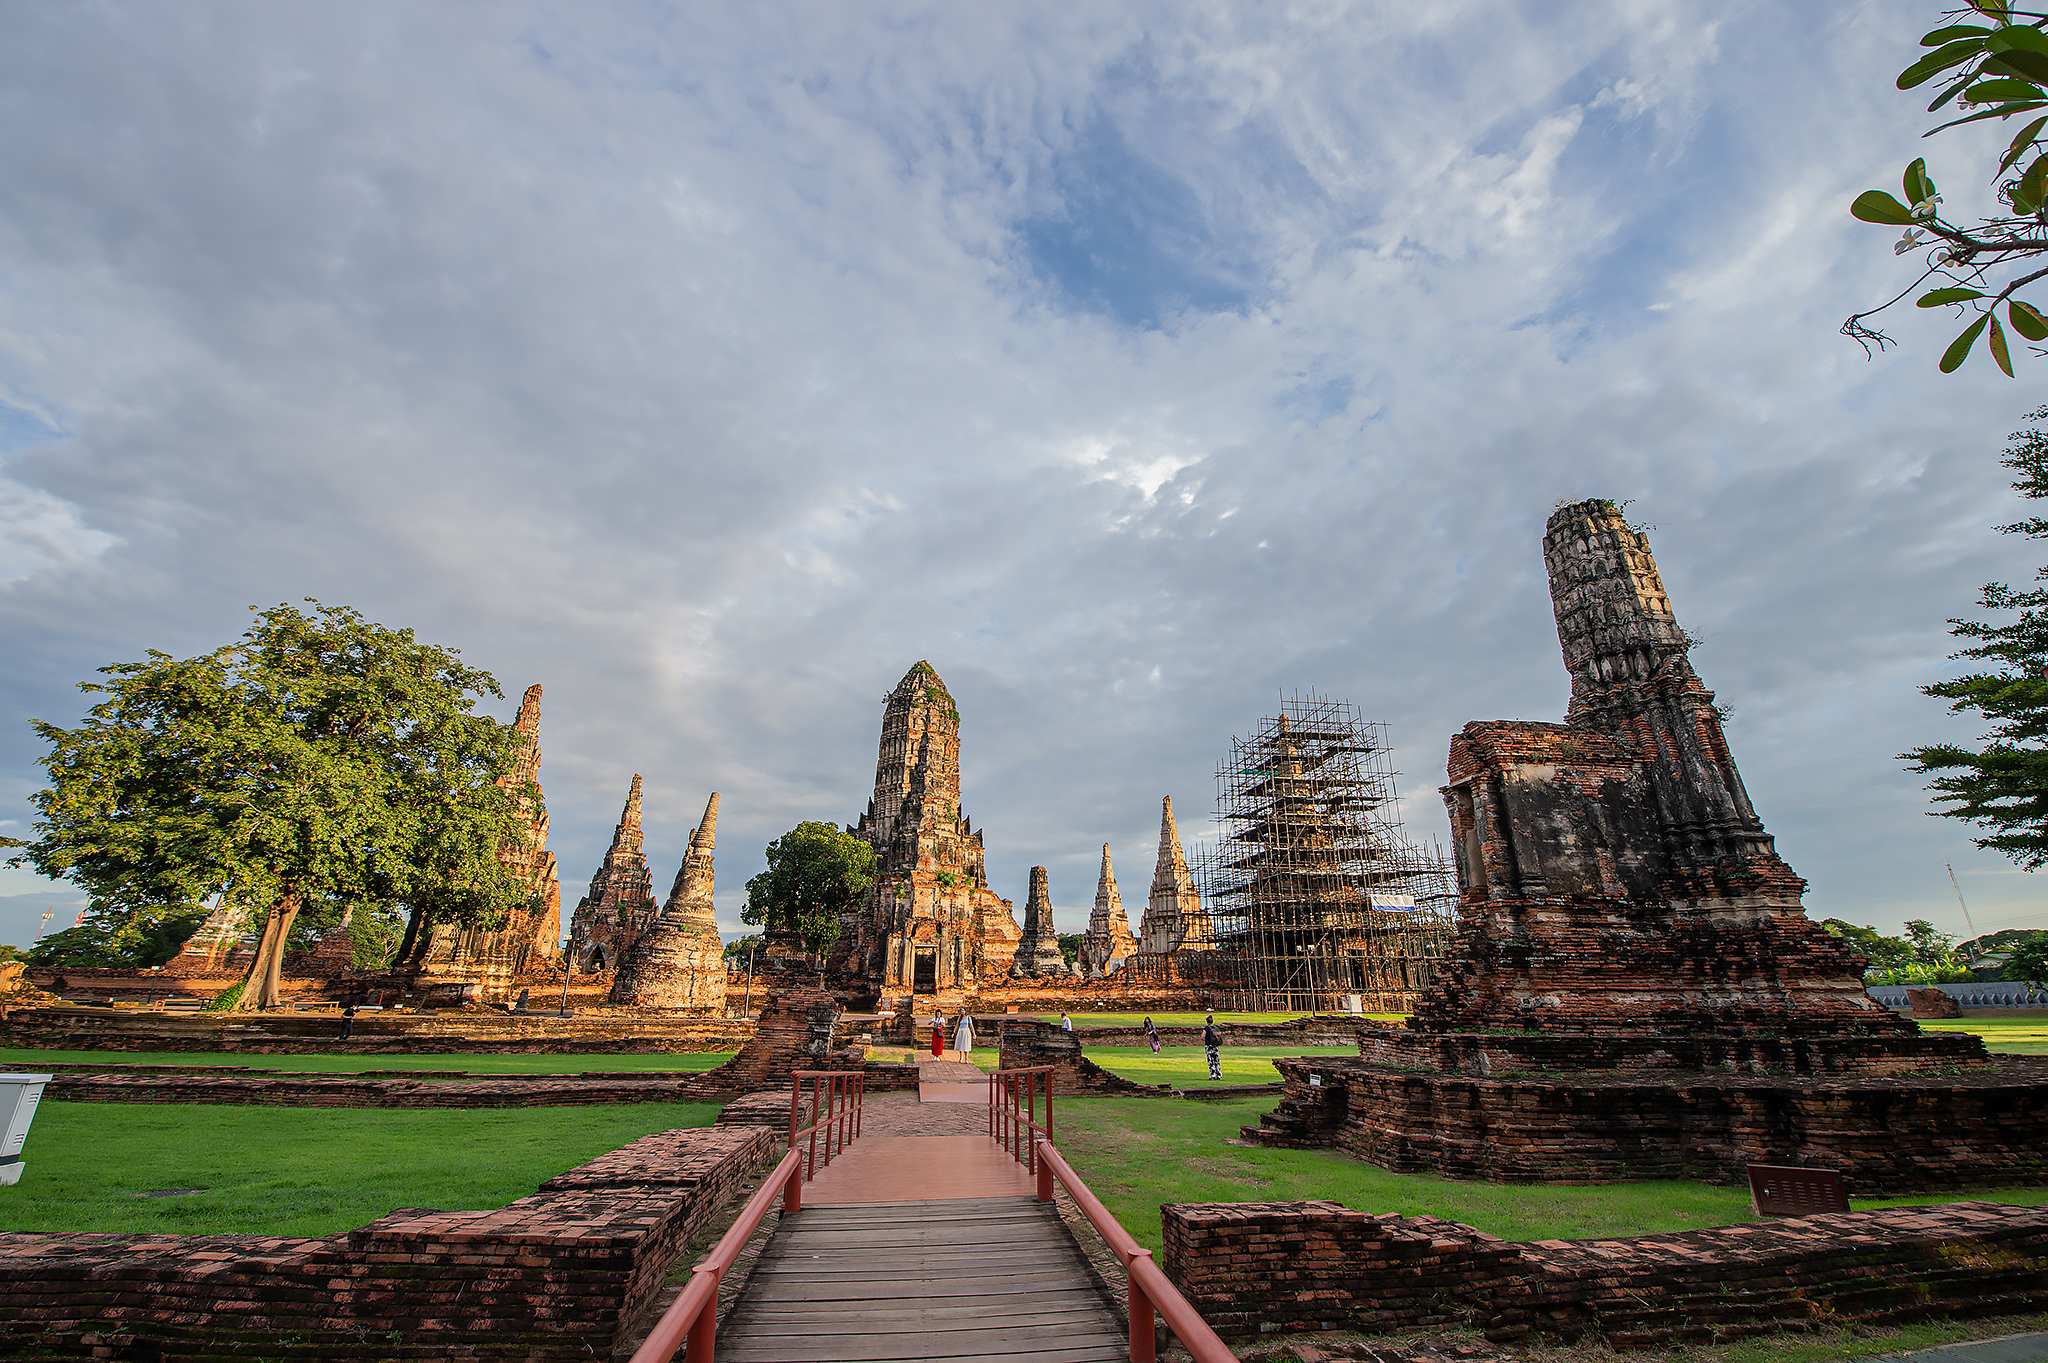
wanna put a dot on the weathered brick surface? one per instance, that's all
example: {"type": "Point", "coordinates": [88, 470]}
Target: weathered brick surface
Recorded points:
{"type": "Point", "coordinates": [1029, 1043]}
{"type": "Point", "coordinates": [1900, 1134]}
{"type": "Point", "coordinates": [1252, 1267]}
{"type": "Point", "coordinates": [551, 1276]}
{"type": "Point", "coordinates": [454, 1031]}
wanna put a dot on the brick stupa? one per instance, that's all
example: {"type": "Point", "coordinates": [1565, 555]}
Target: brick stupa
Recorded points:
{"type": "Point", "coordinates": [620, 905]}
{"type": "Point", "coordinates": [678, 964]}
{"type": "Point", "coordinates": [1620, 902]}
{"type": "Point", "coordinates": [1038, 955]}
{"type": "Point", "coordinates": [1108, 944]}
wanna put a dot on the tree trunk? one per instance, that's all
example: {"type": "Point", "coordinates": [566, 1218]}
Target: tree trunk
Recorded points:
{"type": "Point", "coordinates": [406, 943]}
{"type": "Point", "coordinates": [259, 986]}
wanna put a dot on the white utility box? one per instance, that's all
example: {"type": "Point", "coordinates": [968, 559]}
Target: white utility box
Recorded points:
{"type": "Point", "coordinates": [19, 1094]}
{"type": "Point", "coordinates": [1353, 1004]}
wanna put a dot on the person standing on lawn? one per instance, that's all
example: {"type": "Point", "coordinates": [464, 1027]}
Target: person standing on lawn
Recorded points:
{"type": "Point", "coordinates": [963, 1039]}
{"type": "Point", "coordinates": [1152, 1035]}
{"type": "Point", "coordinates": [938, 1036]}
{"type": "Point", "coordinates": [1066, 1023]}
{"type": "Point", "coordinates": [1211, 1039]}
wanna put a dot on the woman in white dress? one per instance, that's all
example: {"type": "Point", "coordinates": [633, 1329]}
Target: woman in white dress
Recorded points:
{"type": "Point", "coordinates": [963, 1039]}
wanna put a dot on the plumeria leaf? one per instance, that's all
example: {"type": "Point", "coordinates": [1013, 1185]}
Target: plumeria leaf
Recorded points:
{"type": "Point", "coordinates": [2021, 144]}
{"type": "Point", "coordinates": [1874, 205]}
{"type": "Point", "coordinates": [2023, 62]}
{"type": "Point", "coordinates": [1998, 350]}
{"type": "Point", "coordinates": [1995, 8]}
{"type": "Point", "coordinates": [2032, 184]}
{"type": "Point", "coordinates": [1941, 296]}
{"type": "Point", "coordinates": [2002, 111]}
{"type": "Point", "coordinates": [1993, 91]}
{"type": "Point", "coordinates": [1949, 90]}
{"type": "Point", "coordinates": [1953, 32]}
{"type": "Point", "coordinates": [2017, 35]}
{"type": "Point", "coordinates": [2026, 321]}
{"type": "Point", "coordinates": [1959, 349]}
{"type": "Point", "coordinates": [1917, 185]}
{"type": "Point", "coordinates": [1941, 59]}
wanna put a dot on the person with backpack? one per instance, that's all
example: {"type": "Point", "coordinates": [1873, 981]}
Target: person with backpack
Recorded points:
{"type": "Point", "coordinates": [1211, 1039]}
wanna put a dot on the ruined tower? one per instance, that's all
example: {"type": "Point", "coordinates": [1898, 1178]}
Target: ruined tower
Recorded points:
{"type": "Point", "coordinates": [1173, 920]}
{"type": "Point", "coordinates": [620, 905]}
{"type": "Point", "coordinates": [678, 963]}
{"type": "Point", "coordinates": [931, 923]}
{"type": "Point", "coordinates": [1614, 878]}
{"type": "Point", "coordinates": [1108, 944]}
{"type": "Point", "coordinates": [1038, 954]}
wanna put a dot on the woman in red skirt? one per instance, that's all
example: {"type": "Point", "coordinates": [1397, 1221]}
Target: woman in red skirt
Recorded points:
{"type": "Point", "coordinates": [938, 1037]}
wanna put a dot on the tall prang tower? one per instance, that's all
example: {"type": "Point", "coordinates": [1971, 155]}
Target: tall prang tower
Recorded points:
{"type": "Point", "coordinates": [931, 923]}
{"type": "Point", "coordinates": [620, 905]}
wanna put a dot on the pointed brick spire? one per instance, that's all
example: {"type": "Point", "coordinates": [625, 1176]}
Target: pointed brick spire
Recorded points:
{"type": "Point", "coordinates": [1173, 915]}
{"type": "Point", "coordinates": [620, 904]}
{"type": "Point", "coordinates": [1038, 954]}
{"type": "Point", "coordinates": [1109, 936]}
{"type": "Point", "coordinates": [677, 963]}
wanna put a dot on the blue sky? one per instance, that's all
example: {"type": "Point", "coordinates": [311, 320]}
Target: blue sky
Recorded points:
{"type": "Point", "coordinates": [1131, 363]}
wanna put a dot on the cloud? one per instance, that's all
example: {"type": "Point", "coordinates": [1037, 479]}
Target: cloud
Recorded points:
{"type": "Point", "coordinates": [1133, 364]}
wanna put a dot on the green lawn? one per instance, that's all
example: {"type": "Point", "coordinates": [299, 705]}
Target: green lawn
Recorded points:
{"type": "Point", "coordinates": [30, 1061]}
{"type": "Point", "coordinates": [300, 1171]}
{"type": "Point", "coordinates": [2012, 1036]}
{"type": "Point", "coordinates": [1181, 1019]}
{"type": "Point", "coordinates": [1136, 1153]}
{"type": "Point", "coordinates": [1188, 1066]}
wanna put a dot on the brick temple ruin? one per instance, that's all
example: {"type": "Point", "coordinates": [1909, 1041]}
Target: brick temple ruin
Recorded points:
{"type": "Point", "coordinates": [620, 905]}
{"type": "Point", "coordinates": [1635, 989]}
{"type": "Point", "coordinates": [931, 923]}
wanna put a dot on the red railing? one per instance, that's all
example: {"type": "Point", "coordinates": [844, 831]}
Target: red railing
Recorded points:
{"type": "Point", "coordinates": [1013, 1111]}
{"type": "Point", "coordinates": [835, 1111]}
{"type": "Point", "coordinates": [1012, 1121]}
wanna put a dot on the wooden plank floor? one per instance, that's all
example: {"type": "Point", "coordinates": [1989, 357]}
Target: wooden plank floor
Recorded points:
{"type": "Point", "coordinates": [892, 1282]}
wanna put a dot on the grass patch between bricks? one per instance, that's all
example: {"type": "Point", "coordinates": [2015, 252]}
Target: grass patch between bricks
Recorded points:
{"type": "Point", "coordinates": [300, 1171]}
{"type": "Point", "coordinates": [2010, 1036]}
{"type": "Point", "coordinates": [31, 1061]}
{"type": "Point", "coordinates": [1137, 1153]}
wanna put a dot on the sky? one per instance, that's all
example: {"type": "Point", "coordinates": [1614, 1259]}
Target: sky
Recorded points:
{"type": "Point", "coordinates": [1134, 364]}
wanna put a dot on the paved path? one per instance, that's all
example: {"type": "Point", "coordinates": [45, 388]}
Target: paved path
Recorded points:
{"type": "Point", "coordinates": [951, 1081]}
{"type": "Point", "coordinates": [2005, 1349]}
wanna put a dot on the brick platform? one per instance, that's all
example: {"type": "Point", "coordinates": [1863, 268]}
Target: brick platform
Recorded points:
{"type": "Point", "coordinates": [1899, 1134]}
{"type": "Point", "coordinates": [553, 1276]}
{"type": "Point", "coordinates": [1283, 1266]}
{"type": "Point", "coordinates": [614, 1031]}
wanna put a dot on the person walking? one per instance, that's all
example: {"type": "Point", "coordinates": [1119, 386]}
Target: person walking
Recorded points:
{"type": "Point", "coordinates": [1152, 1035]}
{"type": "Point", "coordinates": [963, 1038]}
{"type": "Point", "coordinates": [1066, 1023]}
{"type": "Point", "coordinates": [1211, 1039]}
{"type": "Point", "coordinates": [348, 1022]}
{"type": "Point", "coordinates": [938, 1036]}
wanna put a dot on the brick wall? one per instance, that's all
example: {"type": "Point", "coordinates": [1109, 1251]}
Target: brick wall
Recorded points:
{"type": "Point", "coordinates": [1896, 1134]}
{"type": "Point", "coordinates": [480, 1032]}
{"type": "Point", "coordinates": [552, 1276]}
{"type": "Point", "coordinates": [1273, 1266]}
{"type": "Point", "coordinates": [1025, 1044]}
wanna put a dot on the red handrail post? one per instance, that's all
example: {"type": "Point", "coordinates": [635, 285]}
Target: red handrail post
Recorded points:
{"type": "Point", "coordinates": [1031, 1120]}
{"type": "Point", "coordinates": [793, 1188]}
{"type": "Point", "coordinates": [703, 1337]}
{"type": "Point", "coordinates": [1143, 1346]}
{"type": "Point", "coordinates": [1044, 1178]}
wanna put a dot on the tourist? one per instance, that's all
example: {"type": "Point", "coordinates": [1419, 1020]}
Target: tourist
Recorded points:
{"type": "Point", "coordinates": [938, 1036]}
{"type": "Point", "coordinates": [963, 1039]}
{"type": "Point", "coordinates": [348, 1022]}
{"type": "Point", "coordinates": [1211, 1039]}
{"type": "Point", "coordinates": [1152, 1035]}
{"type": "Point", "coordinates": [1066, 1023]}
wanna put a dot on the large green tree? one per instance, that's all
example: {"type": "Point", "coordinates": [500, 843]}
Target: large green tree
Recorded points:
{"type": "Point", "coordinates": [816, 872]}
{"type": "Point", "coordinates": [320, 758]}
{"type": "Point", "coordinates": [1993, 65]}
{"type": "Point", "coordinates": [2003, 785]}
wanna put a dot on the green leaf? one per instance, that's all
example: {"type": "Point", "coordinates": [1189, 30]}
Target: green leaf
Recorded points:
{"type": "Point", "coordinates": [2002, 111]}
{"type": "Point", "coordinates": [2023, 62]}
{"type": "Point", "coordinates": [2021, 144]}
{"type": "Point", "coordinates": [1959, 349]}
{"type": "Point", "coordinates": [1953, 32]}
{"type": "Point", "coordinates": [1941, 59]}
{"type": "Point", "coordinates": [2026, 321]}
{"type": "Point", "coordinates": [1917, 185]}
{"type": "Point", "coordinates": [1995, 8]}
{"type": "Point", "coordinates": [1948, 91]}
{"type": "Point", "coordinates": [2032, 184]}
{"type": "Point", "coordinates": [2017, 35]}
{"type": "Point", "coordinates": [1941, 296]}
{"type": "Point", "coordinates": [1998, 350]}
{"type": "Point", "coordinates": [1874, 205]}
{"type": "Point", "coordinates": [1995, 91]}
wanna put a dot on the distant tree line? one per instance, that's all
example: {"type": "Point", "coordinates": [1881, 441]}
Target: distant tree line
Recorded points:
{"type": "Point", "coordinates": [1922, 956]}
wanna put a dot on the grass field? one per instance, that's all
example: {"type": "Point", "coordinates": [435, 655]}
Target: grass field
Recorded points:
{"type": "Point", "coordinates": [1136, 1153]}
{"type": "Point", "coordinates": [1188, 1066]}
{"type": "Point", "coordinates": [1181, 1019]}
{"type": "Point", "coordinates": [300, 1171]}
{"type": "Point", "coordinates": [2012, 1036]}
{"type": "Point", "coordinates": [26, 1060]}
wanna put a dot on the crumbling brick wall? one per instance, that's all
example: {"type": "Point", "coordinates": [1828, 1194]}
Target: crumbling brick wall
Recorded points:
{"type": "Point", "coordinates": [552, 1276]}
{"type": "Point", "coordinates": [1272, 1266]}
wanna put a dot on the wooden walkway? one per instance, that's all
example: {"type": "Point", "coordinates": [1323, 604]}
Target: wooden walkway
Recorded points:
{"type": "Point", "coordinates": [897, 1282]}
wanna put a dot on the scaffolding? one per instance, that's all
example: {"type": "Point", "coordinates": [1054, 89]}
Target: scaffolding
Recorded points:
{"type": "Point", "coordinates": [1313, 893]}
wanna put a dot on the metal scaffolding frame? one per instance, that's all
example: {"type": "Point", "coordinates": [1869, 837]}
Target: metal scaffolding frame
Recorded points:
{"type": "Point", "coordinates": [1313, 891]}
